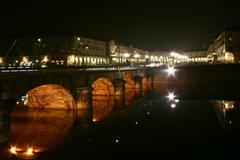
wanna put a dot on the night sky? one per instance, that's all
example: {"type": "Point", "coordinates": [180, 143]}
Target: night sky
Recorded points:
{"type": "Point", "coordinates": [163, 25]}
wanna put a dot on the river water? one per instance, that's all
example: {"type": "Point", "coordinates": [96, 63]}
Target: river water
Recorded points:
{"type": "Point", "coordinates": [169, 121]}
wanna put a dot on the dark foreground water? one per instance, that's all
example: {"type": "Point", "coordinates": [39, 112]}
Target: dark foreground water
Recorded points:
{"type": "Point", "coordinates": [193, 124]}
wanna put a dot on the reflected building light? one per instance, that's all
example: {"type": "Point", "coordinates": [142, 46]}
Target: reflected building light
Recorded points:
{"type": "Point", "coordinates": [176, 100]}
{"type": "Point", "coordinates": [43, 66]}
{"type": "Point", "coordinates": [146, 56]}
{"type": "Point", "coordinates": [173, 105]}
{"type": "Point", "coordinates": [171, 96]}
{"type": "Point", "coordinates": [171, 70]}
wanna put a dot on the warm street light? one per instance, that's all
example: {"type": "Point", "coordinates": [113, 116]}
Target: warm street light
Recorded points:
{"type": "Point", "coordinates": [171, 70]}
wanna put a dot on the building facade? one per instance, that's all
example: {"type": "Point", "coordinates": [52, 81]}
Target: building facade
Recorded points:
{"type": "Point", "coordinates": [169, 57]}
{"type": "Point", "coordinates": [59, 50]}
{"type": "Point", "coordinates": [122, 54]}
{"type": "Point", "coordinates": [68, 50]}
{"type": "Point", "coordinates": [225, 48]}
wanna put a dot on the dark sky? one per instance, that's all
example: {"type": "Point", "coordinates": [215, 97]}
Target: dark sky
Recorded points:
{"type": "Point", "coordinates": [163, 25]}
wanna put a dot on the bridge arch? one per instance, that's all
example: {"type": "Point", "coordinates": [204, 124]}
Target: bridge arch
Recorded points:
{"type": "Point", "coordinates": [103, 87]}
{"type": "Point", "coordinates": [50, 96]}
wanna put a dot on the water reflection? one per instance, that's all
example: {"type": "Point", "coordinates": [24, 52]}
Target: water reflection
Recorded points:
{"type": "Point", "coordinates": [39, 130]}
{"type": "Point", "coordinates": [228, 113]}
{"type": "Point", "coordinates": [31, 132]}
{"type": "Point", "coordinates": [172, 99]}
{"type": "Point", "coordinates": [102, 107]}
{"type": "Point", "coordinates": [4, 126]}
{"type": "Point", "coordinates": [129, 97]}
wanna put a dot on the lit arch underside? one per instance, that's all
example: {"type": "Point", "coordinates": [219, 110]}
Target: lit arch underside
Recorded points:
{"type": "Point", "coordinates": [50, 96]}
{"type": "Point", "coordinates": [103, 87]}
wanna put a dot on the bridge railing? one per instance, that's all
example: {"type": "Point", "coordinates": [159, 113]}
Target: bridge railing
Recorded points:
{"type": "Point", "coordinates": [6, 69]}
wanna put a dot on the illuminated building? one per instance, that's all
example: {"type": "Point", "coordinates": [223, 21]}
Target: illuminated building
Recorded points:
{"type": "Point", "coordinates": [72, 50]}
{"type": "Point", "coordinates": [225, 48]}
{"type": "Point", "coordinates": [55, 50]}
{"type": "Point", "coordinates": [170, 57]}
{"type": "Point", "coordinates": [120, 53]}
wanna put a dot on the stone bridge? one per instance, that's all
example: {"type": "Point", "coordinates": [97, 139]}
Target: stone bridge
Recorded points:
{"type": "Point", "coordinates": [79, 83]}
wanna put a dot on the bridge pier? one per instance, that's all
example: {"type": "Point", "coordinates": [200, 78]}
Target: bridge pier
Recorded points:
{"type": "Point", "coordinates": [7, 100]}
{"type": "Point", "coordinates": [119, 86]}
{"type": "Point", "coordinates": [84, 117]}
{"type": "Point", "coordinates": [138, 86]}
{"type": "Point", "coordinates": [4, 125]}
{"type": "Point", "coordinates": [138, 82]}
{"type": "Point", "coordinates": [84, 97]}
{"type": "Point", "coordinates": [150, 80]}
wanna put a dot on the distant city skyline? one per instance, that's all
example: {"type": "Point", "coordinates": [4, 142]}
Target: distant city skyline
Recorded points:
{"type": "Point", "coordinates": [166, 25]}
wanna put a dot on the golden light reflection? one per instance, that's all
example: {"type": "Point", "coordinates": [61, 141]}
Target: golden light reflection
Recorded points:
{"type": "Point", "coordinates": [39, 130]}
{"type": "Point", "coordinates": [24, 153]}
{"type": "Point", "coordinates": [13, 150]}
{"type": "Point", "coordinates": [29, 151]}
{"type": "Point", "coordinates": [129, 97]}
{"type": "Point", "coordinates": [102, 107]}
